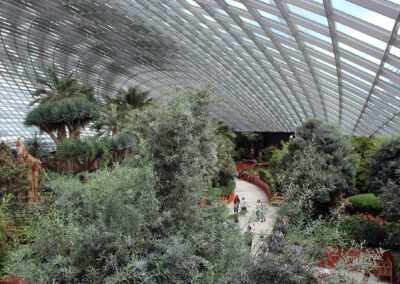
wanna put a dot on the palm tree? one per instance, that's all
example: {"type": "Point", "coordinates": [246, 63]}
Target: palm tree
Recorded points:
{"type": "Point", "coordinates": [114, 116]}
{"type": "Point", "coordinates": [110, 121]}
{"type": "Point", "coordinates": [58, 88]}
{"type": "Point", "coordinates": [132, 98]}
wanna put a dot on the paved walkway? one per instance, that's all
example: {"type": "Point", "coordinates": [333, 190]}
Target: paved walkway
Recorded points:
{"type": "Point", "coordinates": [253, 193]}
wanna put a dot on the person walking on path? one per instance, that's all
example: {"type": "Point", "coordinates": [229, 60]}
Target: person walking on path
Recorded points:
{"type": "Point", "coordinates": [236, 203]}
{"type": "Point", "coordinates": [244, 204]}
{"type": "Point", "coordinates": [262, 212]}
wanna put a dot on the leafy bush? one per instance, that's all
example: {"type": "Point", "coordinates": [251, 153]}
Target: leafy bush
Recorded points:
{"type": "Point", "coordinates": [383, 163]}
{"type": "Point", "coordinates": [268, 151]}
{"type": "Point", "coordinates": [390, 199]}
{"type": "Point", "coordinates": [13, 173]}
{"type": "Point", "coordinates": [263, 174]}
{"type": "Point", "coordinates": [371, 232]}
{"type": "Point", "coordinates": [227, 189]}
{"type": "Point", "coordinates": [363, 146]}
{"type": "Point", "coordinates": [5, 229]}
{"type": "Point", "coordinates": [84, 152]}
{"type": "Point", "coordinates": [91, 230]}
{"type": "Point", "coordinates": [392, 240]}
{"type": "Point", "coordinates": [320, 167]}
{"type": "Point", "coordinates": [120, 145]}
{"type": "Point", "coordinates": [364, 228]}
{"type": "Point", "coordinates": [366, 202]}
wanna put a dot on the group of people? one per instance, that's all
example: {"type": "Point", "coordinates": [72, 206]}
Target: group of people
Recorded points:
{"type": "Point", "coordinates": [260, 209]}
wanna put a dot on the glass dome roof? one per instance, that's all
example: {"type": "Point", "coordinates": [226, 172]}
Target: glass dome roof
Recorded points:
{"type": "Point", "coordinates": [274, 62]}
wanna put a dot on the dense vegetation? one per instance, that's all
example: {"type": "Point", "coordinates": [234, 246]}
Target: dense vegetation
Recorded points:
{"type": "Point", "coordinates": [139, 214]}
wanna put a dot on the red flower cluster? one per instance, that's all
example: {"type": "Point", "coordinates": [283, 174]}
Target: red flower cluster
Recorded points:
{"type": "Point", "coordinates": [368, 216]}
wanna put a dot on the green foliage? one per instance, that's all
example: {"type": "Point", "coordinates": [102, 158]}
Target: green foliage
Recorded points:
{"type": "Point", "coordinates": [367, 202]}
{"type": "Point", "coordinates": [363, 146]}
{"type": "Point", "coordinates": [263, 174]}
{"type": "Point", "coordinates": [145, 224]}
{"type": "Point", "coordinates": [227, 189]}
{"type": "Point", "coordinates": [239, 154]}
{"type": "Point", "coordinates": [120, 145]}
{"type": "Point", "coordinates": [132, 98]}
{"type": "Point", "coordinates": [371, 233]}
{"type": "Point", "coordinates": [5, 228]}
{"type": "Point", "coordinates": [383, 163]}
{"type": "Point", "coordinates": [110, 121]}
{"type": "Point", "coordinates": [181, 136]}
{"type": "Point", "coordinates": [364, 229]}
{"type": "Point", "coordinates": [390, 199]}
{"type": "Point", "coordinates": [13, 173]}
{"type": "Point", "coordinates": [85, 151]}
{"type": "Point", "coordinates": [268, 151]}
{"type": "Point", "coordinates": [92, 230]}
{"type": "Point", "coordinates": [251, 136]}
{"type": "Point", "coordinates": [58, 88]}
{"type": "Point", "coordinates": [35, 146]}
{"type": "Point", "coordinates": [320, 167]}
{"type": "Point", "coordinates": [225, 166]}
{"type": "Point", "coordinates": [392, 240]}
{"type": "Point", "coordinates": [225, 131]}
{"type": "Point", "coordinates": [71, 112]}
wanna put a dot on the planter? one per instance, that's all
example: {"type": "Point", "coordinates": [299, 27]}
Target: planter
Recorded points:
{"type": "Point", "coordinates": [333, 254]}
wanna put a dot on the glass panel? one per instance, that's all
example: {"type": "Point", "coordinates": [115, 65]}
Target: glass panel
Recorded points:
{"type": "Point", "coordinates": [395, 51]}
{"type": "Point", "coordinates": [361, 36]}
{"type": "Point", "coordinates": [359, 67]}
{"type": "Point", "coordinates": [319, 49]}
{"type": "Point", "coordinates": [270, 2]}
{"type": "Point", "coordinates": [359, 53]}
{"type": "Point", "coordinates": [314, 34]}
{"type": "Point", "coordinates": [363, 14]}
{"type": "Point", "coordinates": [261, 36]}
{"type": "Point", "coordinates": [191, 2]}
{"type": "Point", "coordinates": [251, 22]}
{"type": "Point", "coordinates": [236, 4]}
{"type": "Point", "coordinates": [282, 34]}
{"type": "Point", "coordinates": [307, 14]}
{"type": "Point", "coordinates": [271, 17]}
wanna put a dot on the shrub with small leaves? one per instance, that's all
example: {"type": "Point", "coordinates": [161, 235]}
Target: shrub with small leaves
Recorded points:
{"type": "Point", "coordinates": [383, 163]}
{"type": "Point", "coordinates": [320, 167]}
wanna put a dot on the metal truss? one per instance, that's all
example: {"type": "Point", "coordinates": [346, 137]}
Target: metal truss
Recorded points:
{"type": "Point", "coordinates": [274, 63]}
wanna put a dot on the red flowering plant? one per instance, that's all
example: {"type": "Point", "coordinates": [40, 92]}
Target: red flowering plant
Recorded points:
{"type": "Point", "coordinates": [367, 216]}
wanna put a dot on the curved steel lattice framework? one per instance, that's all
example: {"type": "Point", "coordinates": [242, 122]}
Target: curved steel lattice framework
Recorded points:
{"type": "Point", "coordinates": [276, 62]}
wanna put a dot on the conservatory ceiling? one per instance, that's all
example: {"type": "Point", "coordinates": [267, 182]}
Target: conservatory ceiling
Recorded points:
{"type": "Point", "coordinates": [274, 62]}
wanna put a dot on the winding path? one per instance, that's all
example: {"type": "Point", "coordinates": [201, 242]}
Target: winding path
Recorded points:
{"type": "Point", "coordinates": [253, 193]}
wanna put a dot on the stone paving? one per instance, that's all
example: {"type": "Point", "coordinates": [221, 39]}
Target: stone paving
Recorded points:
{"type": "Point", "coordinates": [253, 193]}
